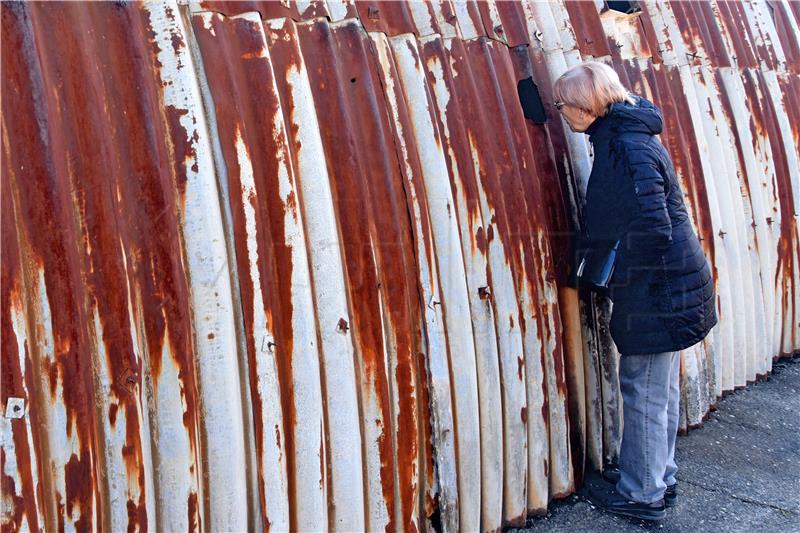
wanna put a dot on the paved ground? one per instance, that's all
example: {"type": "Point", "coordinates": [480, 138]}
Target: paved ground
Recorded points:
{"type": "Point", "coordinates": [740, 472]}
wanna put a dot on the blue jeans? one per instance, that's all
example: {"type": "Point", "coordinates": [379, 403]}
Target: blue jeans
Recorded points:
{"type": "Point", "coordinates": [650, 387]}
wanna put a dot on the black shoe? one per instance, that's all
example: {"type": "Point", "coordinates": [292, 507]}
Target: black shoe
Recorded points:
{"type": "Point", "coordinates": [611, 473]}
{"type": "Point", "coordinates": [671, 495]}
{"type": "Point", "coordinates": [608, 499]}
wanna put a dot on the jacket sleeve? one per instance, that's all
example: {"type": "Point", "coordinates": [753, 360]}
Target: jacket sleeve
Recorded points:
{"type": "Point", "coordinates": [648, 232]}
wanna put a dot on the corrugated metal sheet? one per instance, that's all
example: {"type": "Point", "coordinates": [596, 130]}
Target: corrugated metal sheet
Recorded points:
{"type": "Point", "coordinates": [302, 265]}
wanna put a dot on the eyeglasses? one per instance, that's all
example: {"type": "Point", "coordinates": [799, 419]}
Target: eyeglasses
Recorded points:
{"type": "Point", "coordinates": [559, 105]}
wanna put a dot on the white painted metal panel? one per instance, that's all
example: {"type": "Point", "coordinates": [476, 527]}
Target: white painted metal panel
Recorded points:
{"type": "Point", "coordinates": [453, 280]}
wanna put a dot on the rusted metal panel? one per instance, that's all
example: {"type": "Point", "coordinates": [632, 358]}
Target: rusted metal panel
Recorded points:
{"type": "Point", "coordinates": [207, 264]}
{"type": "Point", "coordinates": [784, 212]}
{"type": "Point", "coordinates": [23, 506]}
{"type": "Point", "coordinates": [422, 158]}
{"type": "Point", "coordinates": [535, 290]}
{"type": "Point", "coordinates": [434, 18]}
{"type": "Point", "coordinates": [752, 255]}
{"type": "Point", "coordinates": [736, 33]}
{"type": "Point", "coordinates": [493, 167]}
{"type": "Point", "coordinates": [108, 295]}
{"type": "Point", "coordinates": [671, 47]}
{"type": "Point", "coordinates": [504, 21]}
{"type": "Point", "coordinates": [550, 212]}
{"type": "Point", "coordinates": [469, 19]}
{"type": "Point", "coordinates": [790, 129]}
{"type": "Point", "coordinates": [723, 220]}
{"type": "Point", "coordinates": [753, 171]}
{"type": "Point", "coordinates": [552, 31]}
{"type": "Point", "coordinates": [392, 18]}
{"type": "Point", "coordinates": [303, 265]}
{"type": "Point", "coordinates": [762, 25]}
{"type": "Point", "coordinates": [276, 291]}
{"type": "Point", "coordinates": [585, 20]}
{"type": "Point", "coordinates": [788, 32]}
{"type": "Point", "coordinates": [370, 205]}
{"type": "Point", "coordinates": [269, 9]}
{"type": "Point", "coordinates": [748, 307]}
{"type": "Point", "coordinates": [545, 67]}
{"type": "Point", "coordinates": [628, 35]}
{"type": "Point", "coordinates": [701, 35]}
{"type": "Point", "coordinates": [648, 30]}
{"type": "Point", "coordinates": [488, 279]}
{"type": "Point", "coordinates": [428, 135]}
{"type": "Point", "coordinates": [764, 190]}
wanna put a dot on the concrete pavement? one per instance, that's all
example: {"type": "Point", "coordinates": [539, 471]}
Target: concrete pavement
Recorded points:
{"type": "Point", "coordinates": [740, 472]}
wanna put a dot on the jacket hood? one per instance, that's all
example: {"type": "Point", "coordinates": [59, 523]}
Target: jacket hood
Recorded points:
{"type": "Point", "coordinates": [640, 117]}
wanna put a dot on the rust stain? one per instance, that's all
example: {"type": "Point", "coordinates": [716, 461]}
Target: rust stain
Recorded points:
{"type": "Point", "coordinates": [94, 175]}
{"type": "Point", "coordinates": [267, 10]}
{"type": "Point", "coordinates": [17, 503]}
{"type": "Point", "coordinates": [193, 511]}
{"type": "Point", "coordinates": [648, 33]}
{"type": "Point", "coordinates": [321, 457]}
{"type": "Point", "coordinates": [239, 77]}
{"type": "Point", "coordinates": [370, 205]}
{"type": "Point", "coordinates": [480, 240]}
{"type": "Point", "coordinates": [391, 18]}
{"type": "Point", "coordinates": [435, 53]}
{"type": "Point", "coordinates": [737, 30]}
{"type": "Point", "coordinates": [12, 381]}
{"type": "Point", "coordinates": [548, 194]}
{"type": "Point", "coordinates": [76, 472]}
{"type": "Point", "coordinates": [701, 35]}
{"type": "Point", "coordinates": [790, 41]}
{"type": "Point", "coordinates": [411, 375]}
{"type": "Point", "coordinates": [788, 243]}
{"type": "Point", "coordinates": [379, 184]}
{"type": "Point", "coordinates": [512, 29]}
{"type": "Point", "coordinates": [429, 468]}
{"type": "Point", "coordinates": [585, 20]}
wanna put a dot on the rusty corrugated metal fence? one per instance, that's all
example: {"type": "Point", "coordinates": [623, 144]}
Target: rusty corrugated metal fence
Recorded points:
{"type": "Point", "coordinates": [271, 265]}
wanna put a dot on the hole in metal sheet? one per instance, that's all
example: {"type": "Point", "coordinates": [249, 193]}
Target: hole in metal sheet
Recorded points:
{"type": "Point", "coordinates": [531, 101]}
{"type": "Point", "coordinates": [352, 80]}
{"type": "Point", "coordinates": [624, 7]}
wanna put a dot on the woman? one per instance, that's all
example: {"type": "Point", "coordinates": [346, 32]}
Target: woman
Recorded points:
{"type": "Point", "coordinates": [662, 288]}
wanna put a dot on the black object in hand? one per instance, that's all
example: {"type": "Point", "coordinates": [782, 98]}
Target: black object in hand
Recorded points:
{"type": "Point", "coordinates": [597, 266]}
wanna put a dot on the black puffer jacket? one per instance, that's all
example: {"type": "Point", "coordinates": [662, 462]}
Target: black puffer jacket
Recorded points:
{"type": "Point", "coordinates": [662, 288]}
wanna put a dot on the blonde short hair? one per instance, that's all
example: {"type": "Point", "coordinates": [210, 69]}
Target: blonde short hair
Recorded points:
{"type": "Point", "coordinates": [591, 86]}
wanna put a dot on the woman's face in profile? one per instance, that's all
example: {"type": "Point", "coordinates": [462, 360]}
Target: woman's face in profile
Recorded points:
{"type": "Point", "coordinates": [577, 118]}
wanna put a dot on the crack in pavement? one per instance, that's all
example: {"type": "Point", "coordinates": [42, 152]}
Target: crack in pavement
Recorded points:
{"type": "Point", "coordinates": [740, 498]}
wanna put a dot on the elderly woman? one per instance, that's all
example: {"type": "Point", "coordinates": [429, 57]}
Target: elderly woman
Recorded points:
{"type": "Point", "coordinates": [661, 287]}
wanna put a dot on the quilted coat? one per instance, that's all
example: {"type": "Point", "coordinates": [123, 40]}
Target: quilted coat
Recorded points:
{"type": "Point", "coordinates": [662, 289]}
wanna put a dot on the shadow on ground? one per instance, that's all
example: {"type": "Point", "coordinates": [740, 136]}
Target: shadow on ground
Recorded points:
{"type": "Point", "coordinates": [739, 473]}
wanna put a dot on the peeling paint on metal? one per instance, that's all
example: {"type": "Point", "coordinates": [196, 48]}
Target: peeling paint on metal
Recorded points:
{"type": "Point", "coordinates": [304, 265]}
